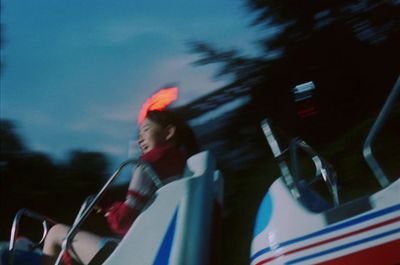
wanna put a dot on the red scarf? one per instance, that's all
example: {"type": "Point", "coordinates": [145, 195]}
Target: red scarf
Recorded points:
{"type": "Point", "coordinates": [167, 160]}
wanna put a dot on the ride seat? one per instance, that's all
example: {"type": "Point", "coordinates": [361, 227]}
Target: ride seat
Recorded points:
{"type": "Point", "coordinates": [176, 227]}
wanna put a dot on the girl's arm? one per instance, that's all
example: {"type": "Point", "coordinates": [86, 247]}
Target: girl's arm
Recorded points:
{"type": "Point", "coordinates": [122, 214]}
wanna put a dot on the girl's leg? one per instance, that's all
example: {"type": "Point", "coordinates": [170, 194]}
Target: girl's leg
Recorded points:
{"type": "Point", "coordinates": [85, 245]}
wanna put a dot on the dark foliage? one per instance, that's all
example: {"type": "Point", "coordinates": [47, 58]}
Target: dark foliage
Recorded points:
{"type": "Point", "coordinates": [32, 180]}
{"type": "Point", "coordinates": [349, 49]}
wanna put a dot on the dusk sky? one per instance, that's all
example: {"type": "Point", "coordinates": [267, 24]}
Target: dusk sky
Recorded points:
{"type": "Point", "coordinates": [76, 72]}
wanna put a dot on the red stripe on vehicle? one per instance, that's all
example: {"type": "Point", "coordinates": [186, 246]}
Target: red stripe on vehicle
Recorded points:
{"type": "Point", "coordinates": [387, 222]}
{"type": "Point", "coordinates": [388, 253]}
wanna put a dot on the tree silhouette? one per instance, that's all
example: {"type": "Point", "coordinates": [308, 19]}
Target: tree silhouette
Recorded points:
{"type": "Point", "coordinates": [86, 170]}
{"type": "Point", "coordinates": [349, 49]}
{"type": "Point", "coordinates": [10, 140]}
{"type": "Point", "coordinates": [32, 180]}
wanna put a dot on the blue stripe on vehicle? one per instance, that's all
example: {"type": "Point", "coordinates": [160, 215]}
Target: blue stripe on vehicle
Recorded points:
{"type": "Point", "coordinates": [164, 251]}
{"type": "Point", "coordinates": [348, 245]}
{"type": "Point", "coordinates": [330, 229]}
{"type": "Point", "coordinates": [263, 215]}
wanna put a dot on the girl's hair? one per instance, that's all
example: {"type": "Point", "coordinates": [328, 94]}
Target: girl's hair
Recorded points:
{"type": "Point", "coordinates": [185, 136]}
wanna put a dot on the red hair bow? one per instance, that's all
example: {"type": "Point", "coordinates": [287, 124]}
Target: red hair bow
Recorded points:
{"type": "Point", "coordinates": [159, 101]}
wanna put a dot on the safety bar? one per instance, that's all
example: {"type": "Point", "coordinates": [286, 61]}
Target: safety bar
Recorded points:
{"type": "Point", "coordinates": [46, 221]}
{"type": "Point", "coordinates": [87, 208]}
{"type": "Point", "coordinates": [278, 154]}
{"type": "Point", "coordinates": [84, 205]}
{"type": "Point", "coordinates": [376, 127]}
{"type": "Point", "coordinates": [322, 167]}
{"type": "Point", "coordinates": [15, 225]}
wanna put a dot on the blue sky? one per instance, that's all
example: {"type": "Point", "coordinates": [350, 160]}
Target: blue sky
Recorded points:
{"type": "Point", "coordinates": [76, 72]}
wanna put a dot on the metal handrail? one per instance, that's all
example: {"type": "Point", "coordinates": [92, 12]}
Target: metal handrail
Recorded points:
{"type": "Point", "coordinates": [87, 208]}
{"type": "Point", "coordinates": [84, 205]}
{"type": "Point", "coordinates": [376, 127]}
{"type": "Point", "coordinates": [15, 225]}
{"type": "Point", "coordinates": [278, 154]}
{"type": "Point", "coordinates": [15, 228]}
{"type": "Point", "coordinates": [291, 175]}
{"type": "Point", "coordinates": [322, 167]}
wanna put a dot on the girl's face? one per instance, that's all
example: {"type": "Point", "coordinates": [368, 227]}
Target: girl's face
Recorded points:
{"type": "Point", "coordinates": [151, 135]}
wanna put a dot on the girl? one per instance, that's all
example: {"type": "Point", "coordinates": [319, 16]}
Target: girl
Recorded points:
{"type": "Point", "coordinates": [166, 142]}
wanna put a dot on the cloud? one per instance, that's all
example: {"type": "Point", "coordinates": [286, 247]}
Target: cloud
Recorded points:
{"type": "Point", "coordinates": [119, 31]}
{"type": "Point", "coordinates": [101, 126]}
{"type": "Point", "coordinates": [194, 81]}
{"type": "Point", "coordinates": [115, 150]}
{"type": "Point", "coordinates": [121, 115]}
{"type": "Point", "coordinates": [221, 110]}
